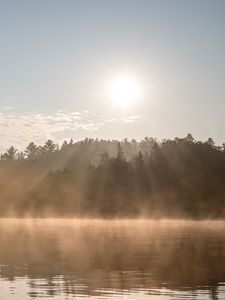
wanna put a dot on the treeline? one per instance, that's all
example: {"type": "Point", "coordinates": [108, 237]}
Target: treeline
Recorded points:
{"type": "Point", "coordinates": [179, 178]}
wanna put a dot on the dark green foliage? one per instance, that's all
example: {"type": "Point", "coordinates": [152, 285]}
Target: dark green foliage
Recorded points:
{"type": "Point", "coordinates": [180, 178]}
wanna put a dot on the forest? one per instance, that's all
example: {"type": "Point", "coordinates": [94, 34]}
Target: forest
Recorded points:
{"type": "Point", "coordinates": [93, 178]}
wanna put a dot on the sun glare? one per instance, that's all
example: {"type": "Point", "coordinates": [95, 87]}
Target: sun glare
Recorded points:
{"type": "Point", "coordinates": [124, 91]}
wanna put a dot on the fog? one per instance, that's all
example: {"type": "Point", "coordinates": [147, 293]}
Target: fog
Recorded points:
{"type": "Point", "coordinates": [180, 178]}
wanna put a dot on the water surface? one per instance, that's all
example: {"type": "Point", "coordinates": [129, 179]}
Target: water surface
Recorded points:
{"type": "Point", "coordinates": [94, 259]}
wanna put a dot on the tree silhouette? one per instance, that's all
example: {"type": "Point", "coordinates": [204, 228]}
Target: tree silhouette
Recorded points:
{"type": "Point", "coordinates": [32, 151]}
{"type": "Point", "coordinates": [10, 154]}
{"type": "Point", "coordinates": [49, 146]}
{"type": "Point", "coordinates": [168, 178]}
{"type": "Point", "coordinates": [120, 153]}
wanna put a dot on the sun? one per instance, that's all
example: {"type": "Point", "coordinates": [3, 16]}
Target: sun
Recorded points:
{"type": "Point", "coordinates": [124, 91]}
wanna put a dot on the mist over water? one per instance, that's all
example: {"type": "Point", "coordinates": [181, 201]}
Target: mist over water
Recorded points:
{"type": "Point", "coordinates": [115, 259]}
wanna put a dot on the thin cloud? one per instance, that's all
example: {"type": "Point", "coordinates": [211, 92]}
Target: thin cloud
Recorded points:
{"type": "Point", "coordinates": [19, 128]}
{"type": "Point", "coordinates": [132, 119]}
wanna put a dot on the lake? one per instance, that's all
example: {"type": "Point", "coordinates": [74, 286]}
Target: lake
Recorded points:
{"type": "Point", "coordinates": [96, 259]}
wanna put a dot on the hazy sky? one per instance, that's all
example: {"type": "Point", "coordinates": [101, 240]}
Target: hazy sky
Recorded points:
{"type": "Point", "coordinates": [57, 56]}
